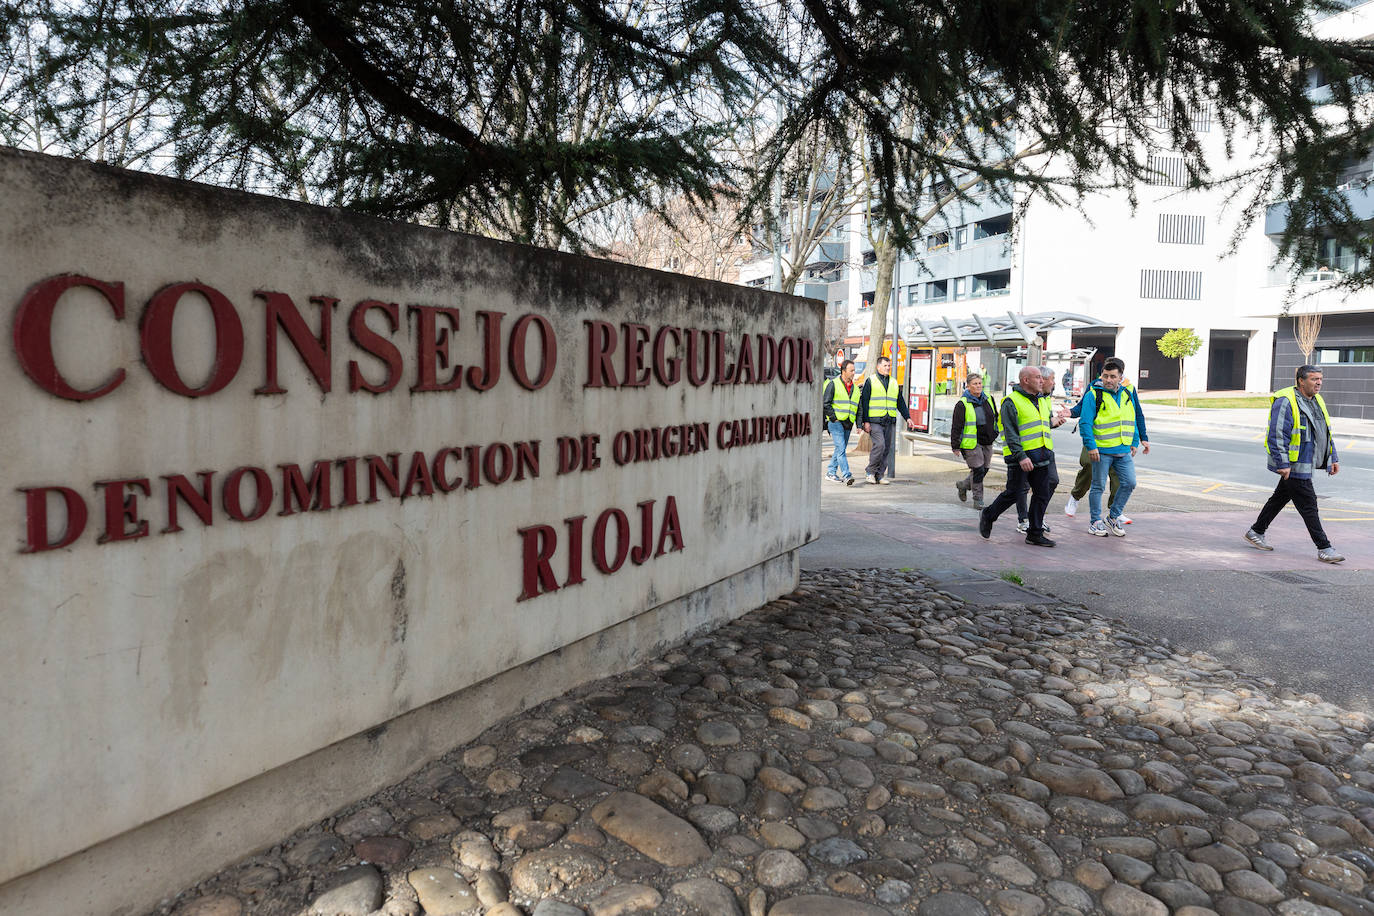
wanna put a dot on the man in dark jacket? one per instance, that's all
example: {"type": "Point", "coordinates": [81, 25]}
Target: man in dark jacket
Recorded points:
{"type": "Point", "coordinates": [879, 405]}
{"type": "Point", "coordinates": [972, 431]}
{"type": "Point", "coordinates": [1299, 443]}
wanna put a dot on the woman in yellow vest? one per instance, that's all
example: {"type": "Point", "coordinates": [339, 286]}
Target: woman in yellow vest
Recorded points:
{"type": "Point", "coordinates": [973, 429]}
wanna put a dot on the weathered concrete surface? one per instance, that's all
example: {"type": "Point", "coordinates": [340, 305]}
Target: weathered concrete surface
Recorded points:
{"type": "Point", "coordinates": [144, 674]}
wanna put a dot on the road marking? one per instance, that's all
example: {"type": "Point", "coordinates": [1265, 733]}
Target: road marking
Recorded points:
{"type": "Point", "coordinates": [1257, 437]}
{"type": "Point", "coordinates": [1215, 486]}
{"type": "Point", "coordinates": [1362, 518]}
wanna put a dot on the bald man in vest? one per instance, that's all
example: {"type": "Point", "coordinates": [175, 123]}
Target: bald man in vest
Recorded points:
{"type": "Point", "coordinates": [1029, 453]}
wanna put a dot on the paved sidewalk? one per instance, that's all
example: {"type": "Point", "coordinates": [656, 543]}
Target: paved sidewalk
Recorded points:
{"type": "Point", "coordinates": [1182, 572]}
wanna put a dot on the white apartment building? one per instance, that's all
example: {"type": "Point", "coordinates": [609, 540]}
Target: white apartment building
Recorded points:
{"type": "Point", "coordinates": [1130, 274]}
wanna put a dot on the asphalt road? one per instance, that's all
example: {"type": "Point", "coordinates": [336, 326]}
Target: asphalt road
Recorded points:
{"type": "Point", "coordinates": [1230, 456]}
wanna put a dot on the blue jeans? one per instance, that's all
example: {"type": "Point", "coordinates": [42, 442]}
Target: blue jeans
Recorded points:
{"type": "Point", "coordinates": [839, 462]}
{"type": "Point", "coordinates": [1125, 473]}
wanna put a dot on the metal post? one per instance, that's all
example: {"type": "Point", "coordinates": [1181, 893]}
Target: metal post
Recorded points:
{"type": "Point", "coordinates": [896, 356]}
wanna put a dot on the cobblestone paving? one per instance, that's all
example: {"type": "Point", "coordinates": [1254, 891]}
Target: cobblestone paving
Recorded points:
{"type": "Point", "coordinates": [867, 745]}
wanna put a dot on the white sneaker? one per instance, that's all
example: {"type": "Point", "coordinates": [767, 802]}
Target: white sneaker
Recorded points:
{"type": "Point", "coordinates": [1098, 529]}
{"type": "Point", "coordinates": [1071, 507]}
{"type": "Point", "coordinates": [1115, 527]}
{"type": "Point", "coordinates": [1124, 519]}
{"type": "Point", "coordinates": [869, 478]}
{"type": "Point", "coordinates": [1023, 527]}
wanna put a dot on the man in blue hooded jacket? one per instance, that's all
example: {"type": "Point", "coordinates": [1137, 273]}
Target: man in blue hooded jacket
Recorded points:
{"type": "Point", "coordinates": [1299, 442]}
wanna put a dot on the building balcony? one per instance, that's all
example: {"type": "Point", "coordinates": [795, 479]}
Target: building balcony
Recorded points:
{"type": "Point", "coordinates": [989, 293]}
{"type": "Point", "coordinates": [1360, 197]}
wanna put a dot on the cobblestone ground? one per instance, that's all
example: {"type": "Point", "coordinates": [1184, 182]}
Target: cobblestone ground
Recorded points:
{"type": "Point", "coordinates": [867, 745]}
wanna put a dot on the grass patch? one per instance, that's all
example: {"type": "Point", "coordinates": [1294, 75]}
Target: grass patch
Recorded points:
{"type": "Point", "coordinates": [1259, 400]}
{"type": "Point", "coordinates": [1011, 575]}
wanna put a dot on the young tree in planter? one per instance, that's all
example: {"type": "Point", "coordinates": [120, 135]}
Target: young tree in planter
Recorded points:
{"type": "Point", "coordinates": [1179, 344]}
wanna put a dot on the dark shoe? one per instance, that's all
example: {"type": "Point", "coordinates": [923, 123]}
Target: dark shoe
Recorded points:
{"type": "Point", "coordinates": [963, 490]}
{"type": "Point", "coordinates": [1039, 540]}
{"type": "Point", "coordinates": [849, 481]}
{"type": "Point", "coordinates": [984, 524]}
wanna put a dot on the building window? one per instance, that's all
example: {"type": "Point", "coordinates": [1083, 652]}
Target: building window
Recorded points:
{"type": "Point", "coordinates": [1171, 284]}
{"type": "Point", "coordinates": [1199, 116]}
{"type": "Point", "coordinates": [937, 291]}
{"type": "Point", "coordinates": [1181, 229]}
{"type": "Point", "coordinates": [961, 237]}
{"type": "Point", "coordinates": [1170, 171]}
{"type": "Point", "coordinates": [959, 287]}
{"type": "Point", "coordinates": [937, 242]}
{"type": "Point", "coordinates": [870, 258]}
{"type": "Point", "coordinates": [913, 295]}
{"type": "Point", "coordinates": [1331, 356]}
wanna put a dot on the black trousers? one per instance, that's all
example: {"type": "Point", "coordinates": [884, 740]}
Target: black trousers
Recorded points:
{"type": "Point", "coordinates": [1040, 481]}
{"type": "Point", "coordinates": [1300, 493]}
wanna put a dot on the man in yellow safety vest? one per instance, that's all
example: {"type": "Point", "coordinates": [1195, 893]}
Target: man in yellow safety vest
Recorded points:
{"type": "Point", "coordinates": [879, 405]}
{"type": "Point", "coordinates": [1029, 453]}
{"type": "Point", "coordinates": [1299, 443]}
{"type": "Point", "coordinates": [839, 406]}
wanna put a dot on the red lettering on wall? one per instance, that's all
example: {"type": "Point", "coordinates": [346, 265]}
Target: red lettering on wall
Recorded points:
{"type": "Point", "coordinates": [441, 478]}
{"type": "Point", "coordinates": [636, 373]}
{"type": "Point", "coordinates": [622, 540]}
{"type": "Point", "coordinates": [698, 357]}
{"type": "Point", "coordinates": [641, 551]}
{"type": "Point", "coordinates": [349, 466]}
{"type": "Point", "coordinates": [36, 515]}
{"type": "Point", "coordinates": [179, 488]}
{"type": "Point", "coordinates": [575, 525]}
{"type": "Point", "coordinates": [744, 361]}
{"type": "Point", "coordinates": [668, 369]}
{"type": "Point", "coordinates": [389, 471]}
{"type": "Point", "coordinates": [670, 534]}
{"type": "Point", "coordinates": [156, 339]}
{"type": "Point", "coordinates": [805, 361]}
{"type": "Point", "coordinates": [121, 509]}
{"type": "Point", "coordinates": [787, 359]}
{"type": "Point", "coordinates": [233, 498]}
{"type": "Point", "coordinates": [767, 359]}
{"type": "Point", "coordinates": [311, 496]}
{"type": "Point", "coordinates": [482, 378]}
{"type": "Point", "coordinates": [497, 463]}
{"type": "Point", "coordinates": [418, 476]}
{"type": "Point", "coordinates": [375, 344]}
{"type": "Point", "coordinates": [548, 352]}
{"type": "Point", "coordinates": [538, 543]}
{"type": "Point", "coordinates": [431, 348]}
{"type": "Point", "coordinates": [601, 340]}
{"type": "Point", "coordinates": [314, 350]}
{"type": "Point", "coordinates": [33, 336]}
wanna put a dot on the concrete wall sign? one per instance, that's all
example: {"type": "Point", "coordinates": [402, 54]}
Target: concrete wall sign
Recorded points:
{"type": "Point", "coordinates": [278, 475]}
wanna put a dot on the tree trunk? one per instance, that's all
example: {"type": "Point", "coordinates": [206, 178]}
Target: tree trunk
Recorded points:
{"type": "Point", "coordinates": [1182, 387]}
{"type": "Point", "coordinates": [877, 331]}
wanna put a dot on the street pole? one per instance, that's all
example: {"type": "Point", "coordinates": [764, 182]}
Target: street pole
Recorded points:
{"type": "Point", "coordinates": [896, 357]}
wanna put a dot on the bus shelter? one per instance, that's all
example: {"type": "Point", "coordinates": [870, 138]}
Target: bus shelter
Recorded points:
{"type": "Point", "coordinates": [942, 354]}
